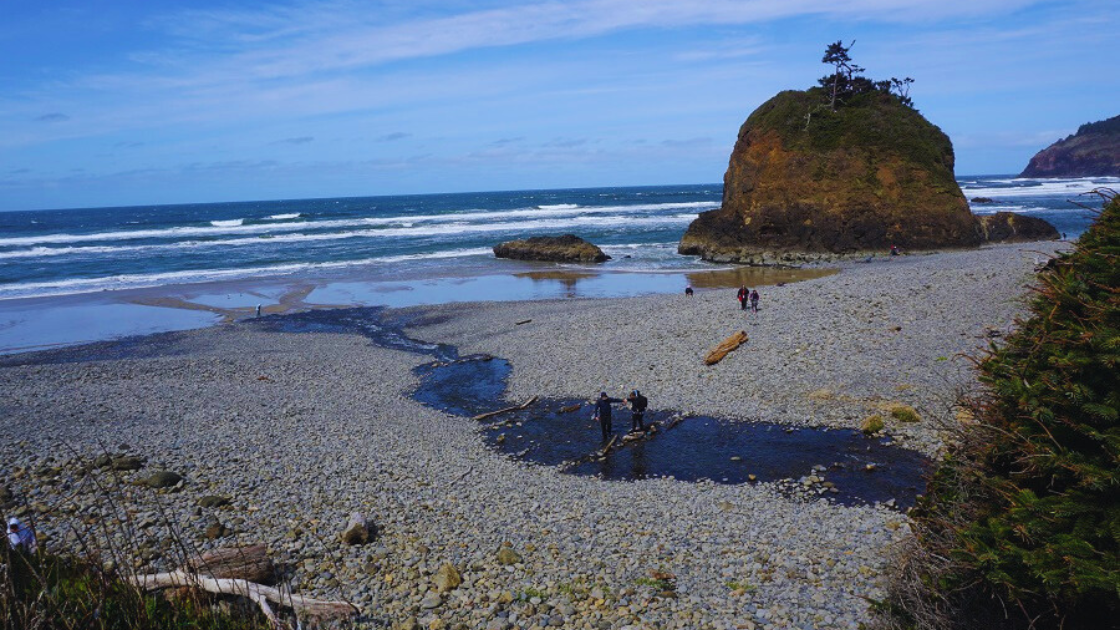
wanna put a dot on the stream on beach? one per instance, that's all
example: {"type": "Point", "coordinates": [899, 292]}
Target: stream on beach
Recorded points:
{"type": "Point", "coordinates": [842, 465]}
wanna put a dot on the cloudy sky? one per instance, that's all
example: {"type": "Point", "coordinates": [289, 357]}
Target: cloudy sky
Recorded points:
{"type": "Point", "coordinates": [147, 102]}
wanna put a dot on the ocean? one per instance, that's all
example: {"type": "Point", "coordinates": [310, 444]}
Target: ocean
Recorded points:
{"type": "Point", "coordinates": [58, 252]}
{"type": "Point", "coordinates": [81, 275]}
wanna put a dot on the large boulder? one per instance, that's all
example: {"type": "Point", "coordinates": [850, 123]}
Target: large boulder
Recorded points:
{"type": "Point", "coordinates": [808, 183]}
{"type": "Point", "coordinates": [1093, 151]}
{"type": "Point", "coordinates": [1008, 227]}
{"type": "Point", "coordinates": [567, 248]}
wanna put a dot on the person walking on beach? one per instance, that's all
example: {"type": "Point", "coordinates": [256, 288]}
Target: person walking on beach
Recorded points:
{"type": "Point", "coordinates": [743, 294]}
{"type": "Point", "coordinates": [754, 301]}
{"type": "Point", "coordinates": [603, 413]}
{"type": "Point", "coordinates": [638, 404]}
{"type": "Point", "coordinates": [688, 290]}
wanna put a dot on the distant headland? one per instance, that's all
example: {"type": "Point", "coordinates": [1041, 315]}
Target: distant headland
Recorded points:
{"type": "Point", "coordinates": [1093, 151]}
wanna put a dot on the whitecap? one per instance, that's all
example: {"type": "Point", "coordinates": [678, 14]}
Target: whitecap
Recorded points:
{"type": "Point", "coordinates": [285, 217]}
{"type": "Point", "coordinates": [229, 223]}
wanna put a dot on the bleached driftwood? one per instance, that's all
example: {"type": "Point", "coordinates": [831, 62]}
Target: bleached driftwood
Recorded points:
{"type": "Point", "coordinates": [489, 414]}
{"type": "Point", "coordinates": [729, 344]}
{"type": "Point", "coordinates": [257, 593]}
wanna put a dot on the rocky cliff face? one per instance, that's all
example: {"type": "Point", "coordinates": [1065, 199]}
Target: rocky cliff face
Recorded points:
{"type": "Point", "coordinates": [806, 183]}
{"type": "Point", "coordinates": [1093, 151]}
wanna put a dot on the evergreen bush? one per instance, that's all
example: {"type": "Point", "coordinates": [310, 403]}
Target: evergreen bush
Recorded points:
{"type": "Point", "coordinates": [1021, 525]}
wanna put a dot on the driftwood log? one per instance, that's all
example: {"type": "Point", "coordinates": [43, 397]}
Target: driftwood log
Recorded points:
{"type": "Point", "coordinates": [729, 344]}
{"type": "Point", "coordinates": [490, 414]}
{"type": "Point", "coordinates": [257, 593]}
{"type": "Point", "coordinates": [239, 563]}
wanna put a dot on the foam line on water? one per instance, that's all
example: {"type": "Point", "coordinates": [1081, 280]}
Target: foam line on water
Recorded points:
{"type": "Point", "coordinates": [456, 217]}
{"type": "Point", "coordinates": [401, 232]}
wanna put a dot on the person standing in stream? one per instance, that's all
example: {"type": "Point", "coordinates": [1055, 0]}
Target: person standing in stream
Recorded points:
{"type": "Point", "coordinates": [603, 413]}
{"type": "Point", "coordinates": [638, 404]}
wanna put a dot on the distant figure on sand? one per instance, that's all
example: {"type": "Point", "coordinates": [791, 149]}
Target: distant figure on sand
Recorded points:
{"type": "Point", "coordinates": [638, 404]}
{"type": "Point", "coordinates": [21, 538]}
{"type": "Point", "coordinates": [688, 290]}
{"type": "Point", "coordinates": [603, 413]}
{"type": "Point", "coordinates": [754, 301]}
{"type": "Point", "coordinates": [894, 250]}
{"type": "Point", "coordinates": [743, 294]}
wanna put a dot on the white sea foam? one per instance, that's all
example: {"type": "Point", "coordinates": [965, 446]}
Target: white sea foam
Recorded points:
{"type": "Point", "coordinates": [456, 219]}
{"type": "Point", "coordinates": [444, 229]}
{"type": "Point", "coordinates": [285, 217]}
{"type": "Point", "coordinates": [230, 223]}
{"type": "Point", "coordinates": [1038, 187]}
{"type": "Point", "coordinates": [558, 206]}
{"type": "Point", "coordinates": [139, 281]}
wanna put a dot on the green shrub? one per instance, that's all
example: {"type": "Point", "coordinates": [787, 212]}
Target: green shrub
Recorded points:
{"type": "Point", "coordinates": [1021, 525]}
{"type": "Point", "coordinates": [904, 413]}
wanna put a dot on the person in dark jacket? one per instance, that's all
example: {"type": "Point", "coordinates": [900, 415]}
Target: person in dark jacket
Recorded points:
{"type": "Point", "coordinates": [743, 295]}
{"type": "Point", "coordinates": [603, 413]}
{"type": "Point", "coordinates": [754, 301]}
{"type": "Point", "coordinates": [638, 404]}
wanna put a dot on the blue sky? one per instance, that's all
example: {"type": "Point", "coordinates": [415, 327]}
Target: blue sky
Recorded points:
{"type": "Point", "coordinates": [148, 102]}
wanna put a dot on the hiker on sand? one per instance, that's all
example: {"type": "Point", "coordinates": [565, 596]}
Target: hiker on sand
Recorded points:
{"type": "Point", "coordinates": [603, 413]}
{"type": "Point", "coordinates": [894, 250]}
{"type": "Point", "coordinates": [21, 538]}
{"type": "Point", "coordinates": [754, 301]}
{"type": "Point", "coordinates": [743, 294]}
{"type": "Point", "coordinates": [638, 404]}
{"type": "Point", "coordinates": [688, 290]}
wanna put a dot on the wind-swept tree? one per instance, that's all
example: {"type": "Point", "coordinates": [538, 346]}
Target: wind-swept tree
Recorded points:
{"type": "Point", "coordinates": [837, 55]}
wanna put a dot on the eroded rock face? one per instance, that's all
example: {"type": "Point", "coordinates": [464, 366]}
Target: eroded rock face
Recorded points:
{"type": "Point", "coordinates": [1093, 151]}
{"type": "Point", "coordinates": [805, 183]}
{"type": "Point", "coordinates": [1008, 227]}
{"type": "Point", "coordinates": [567, 248]}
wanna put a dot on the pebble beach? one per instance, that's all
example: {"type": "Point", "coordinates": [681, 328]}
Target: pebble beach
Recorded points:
{"type": "Point", "coordinates": [300, 430]}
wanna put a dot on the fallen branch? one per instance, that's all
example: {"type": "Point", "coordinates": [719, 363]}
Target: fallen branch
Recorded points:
{"type": "Point", "coordinates": [257, 593]}
{"type": "Point", "coordinates": [607, 448]}
{"type": "Point", "coordinates": [490, 414]}
{"type": "Point", "coordinates": [524, 321]}
{"type": "Point", "coordinates": [729, 344]}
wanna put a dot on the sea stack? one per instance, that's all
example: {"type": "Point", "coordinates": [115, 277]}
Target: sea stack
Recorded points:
{"type": "Point", "coordinates": [566, 248]}
{"type": "Point", "coordinates": [806, 182]}
{"type": "Point", "coordinates": [1094, 151]}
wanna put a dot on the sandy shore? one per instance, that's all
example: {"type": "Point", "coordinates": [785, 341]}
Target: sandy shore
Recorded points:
{"type": "Point", "coordinates": [300, 430]}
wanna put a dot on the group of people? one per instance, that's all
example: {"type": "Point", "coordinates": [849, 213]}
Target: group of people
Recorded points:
{"type": "Point", "coordinates": [638, 404]}
{"type": "Point", "coordinates": [746, 296]}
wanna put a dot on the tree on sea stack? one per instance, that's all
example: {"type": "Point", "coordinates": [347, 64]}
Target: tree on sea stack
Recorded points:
{"type": "Point", "coordinates": [1021, 525]}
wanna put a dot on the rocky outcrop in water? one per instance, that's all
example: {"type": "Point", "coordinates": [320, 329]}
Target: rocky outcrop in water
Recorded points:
{"type": "Point", "coordinates": [807, 183]}
{"type": "Point", "coordinates": [1008, 227]}
{"type": "Point", "coordinates": [567, 248]}
{"type": "Point", "coordinates": [1093, 151]}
